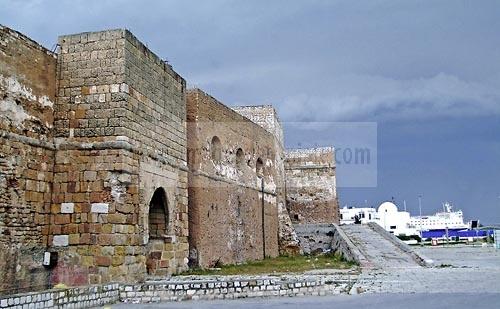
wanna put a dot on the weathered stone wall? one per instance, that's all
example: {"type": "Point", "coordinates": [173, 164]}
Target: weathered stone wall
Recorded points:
{"type": "Point", "coordinates": [267, 117]}
{"type": "Point", "coordinates": [81, 297]}
{"type": "Point", "coordinates": [27, 95]}
{"type": "Point", "coordinates": [94, 167]}
{"type": "Point", "coordinates": [311, 185]}
{"type": "Point", "coordinates": [157, 113]}
{"type": "Point", "coordinates": [120, 136]}
{"type": "Point", "coordinates": [182, 288]}
{"type": "Point", "coordinates": [322, 238]}
{"type": "Point", "coordinates": [315, 238]}
{"type": "Point", "coordinates": [225, 194]}
{"type": "Point", "coordinates": [341, 244]}
{"type": "Point", "coordinates": [234, 287]}
{"type": "Point", "coordinates": [95, 225]}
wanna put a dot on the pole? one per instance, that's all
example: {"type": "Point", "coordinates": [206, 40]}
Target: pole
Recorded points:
{"type": "Point", "coordinates": [420, 217]}
{"type": "Point", "coordinates": [263, 219]}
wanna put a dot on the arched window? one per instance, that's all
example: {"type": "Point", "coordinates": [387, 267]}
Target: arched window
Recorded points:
{"type": "Point", "coordinates": [158, 214]}
{"type": "Point", "coordinates": [240, 158]}
{"type": "Point", "coordinates": [216, 149]}
{"type": "Point", "coordinates": [259, 167]}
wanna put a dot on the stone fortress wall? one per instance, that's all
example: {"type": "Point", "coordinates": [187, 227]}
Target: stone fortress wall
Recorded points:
{"type": "Point", "coordinates": [111, 166]}
{"type": "Point", "coordinates": [267, 117]}
{"type": "Point", "coordinates": [121, 150]}
{"type": "Point", "coordinates": [232, 217]}
{"type": "Point", "coordinates": [311, 185]}
{"type": "Point", "coordinates": [28, 95]}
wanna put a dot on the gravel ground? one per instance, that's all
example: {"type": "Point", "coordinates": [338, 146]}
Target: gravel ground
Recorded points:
{"type": "Point", "coordinates": [458, 269]}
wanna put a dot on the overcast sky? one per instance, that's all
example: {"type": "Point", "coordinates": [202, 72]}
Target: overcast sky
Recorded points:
{"type": "Point", "coordinates": [426, 72]}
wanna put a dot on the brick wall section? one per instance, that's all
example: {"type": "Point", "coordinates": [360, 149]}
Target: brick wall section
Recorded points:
{"type": "Point", "coordinates": [120, 133]}
{"type": "Point", "coordinates": [94, 222]}
{"type": "Point", "coordinates": [225, 199]}
{"type": "Point", "coordinates": [156, 112]}
{"type": "Point", "coordinates": [267, 117]}
{"type": "Point", "coordinates": [27, 95]}
{"type": "Point", "coordinates": [311, 185]}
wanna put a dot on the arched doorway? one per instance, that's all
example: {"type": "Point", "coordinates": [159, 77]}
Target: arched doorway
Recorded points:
{"type": "Point", "coordinates": [156, 263]}
{"type": "Point", "coordinates": [158, 214]}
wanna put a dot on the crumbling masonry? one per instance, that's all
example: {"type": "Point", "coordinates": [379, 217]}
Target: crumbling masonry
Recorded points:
{"type": "Point", "coordinates": [112, 171]}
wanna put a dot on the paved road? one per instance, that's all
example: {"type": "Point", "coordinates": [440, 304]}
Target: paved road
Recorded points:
{"type": "Point", "coordinates": [372, 301]}
{"type": "Point", "coordinates": [458, 269]}
{"type": "Point", "coordinates": [463, 256]}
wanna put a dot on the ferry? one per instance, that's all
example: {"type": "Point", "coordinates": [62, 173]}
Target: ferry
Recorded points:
{"type": "Point", "coordinates": [447, 224]}
{"type": "Point", "coordinates": [446, 219]}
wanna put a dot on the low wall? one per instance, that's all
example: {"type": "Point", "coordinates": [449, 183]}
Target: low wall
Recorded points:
{"type": "Point", "coordinates": [321, 238]}
{"type": "Point", "coordinates": [315, 238]}
{"type": "Point", "coordinates": [231, 287]}
{"type": "Point", "coordinates": [79, 297]}
{"type": "Point", "coordinates": [343, 245]}
{"type": "Point", "coordinates": [186, 288]}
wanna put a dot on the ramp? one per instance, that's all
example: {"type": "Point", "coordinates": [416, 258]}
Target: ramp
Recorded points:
{"type": "Point", "coordinates": [379, 248]}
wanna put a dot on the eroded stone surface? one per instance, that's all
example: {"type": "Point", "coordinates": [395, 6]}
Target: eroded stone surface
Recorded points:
{"type": "Point", "coordinates": [233, 207]}
{"type": "Point", "coordinates": [311, 186]}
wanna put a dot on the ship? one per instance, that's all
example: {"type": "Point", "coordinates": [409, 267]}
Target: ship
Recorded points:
{"type": "Point", "coordinates": [448, 224]}
{"type": "Point", "coordinates": [446, 219]}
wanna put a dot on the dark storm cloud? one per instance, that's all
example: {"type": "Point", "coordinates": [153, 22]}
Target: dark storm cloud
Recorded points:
{"type": "Point", "coordinates": [347, 60]}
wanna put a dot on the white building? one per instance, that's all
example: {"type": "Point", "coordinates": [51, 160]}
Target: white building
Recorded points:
{"type": "Point", "coordinates": [395, 221]}
{"type": "Point", "coordinates": [387, 216]}
{"type": "Point", "coordinates": [365, 215]}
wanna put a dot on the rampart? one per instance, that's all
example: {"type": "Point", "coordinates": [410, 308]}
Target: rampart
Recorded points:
{"type": "Point", "coordinates": [311, 185]}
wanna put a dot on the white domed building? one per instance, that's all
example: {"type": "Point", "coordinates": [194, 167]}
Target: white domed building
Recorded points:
{"type": "Point", "coordinates": [394, 221]}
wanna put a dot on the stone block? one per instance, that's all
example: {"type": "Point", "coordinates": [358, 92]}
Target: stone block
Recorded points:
{"type": "Point", "coordinates": [89, 175]}
{"type": "Point", "coordinates": [67, 208]}
{"type": "Point", "coordinates": [102, 261]}
{"type": "Point", "coordinates": [74, 239]}
{"type": "Point", "coordinates": [114, 88]}
{"type": "Point", "coordinates": [60, 240]}
{"type": "Point", "coordinates": [117, 260]}
{"type": "Point", "coordinates": [62, 219]}
{"type": "Point", "coordinates": [102, 208]}
{"type": "Point", "coordinates": [117, 218]}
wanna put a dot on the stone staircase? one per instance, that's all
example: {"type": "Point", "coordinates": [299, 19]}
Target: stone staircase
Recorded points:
{"type": "Point", "coordinates": [380, 249]}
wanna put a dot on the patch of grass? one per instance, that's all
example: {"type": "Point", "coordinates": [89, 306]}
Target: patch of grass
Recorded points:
{"type": "Point", "coordinates": [445, 266]}
{"type": "Point", "coordinates": [281, 264]}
